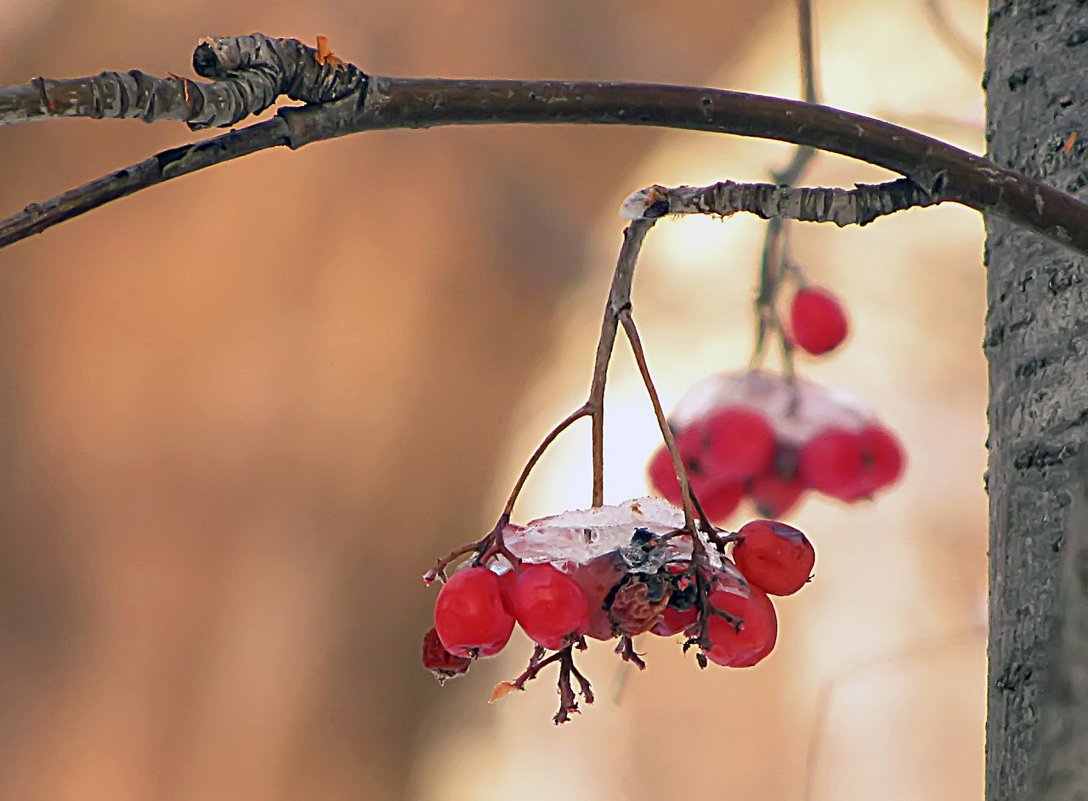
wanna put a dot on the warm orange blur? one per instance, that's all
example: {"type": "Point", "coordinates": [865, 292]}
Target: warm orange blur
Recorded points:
{"type": "Point", "coordinates": [241, 414]}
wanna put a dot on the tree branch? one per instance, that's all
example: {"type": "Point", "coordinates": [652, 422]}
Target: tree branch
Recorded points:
{"type": "Point", "coordinates": [858, 206]}
{"type": "Point", "coordinates": [946, 173]}
{"type": "Point", "coordinates": [249, 73]}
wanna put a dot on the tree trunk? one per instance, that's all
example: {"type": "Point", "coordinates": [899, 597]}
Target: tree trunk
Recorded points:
{"type": "Point", "coordinates": [1037, 346]}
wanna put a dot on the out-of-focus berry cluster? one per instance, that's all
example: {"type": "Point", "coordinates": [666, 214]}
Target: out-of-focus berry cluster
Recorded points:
{"type": "Point", "coordinates": [756, 435]}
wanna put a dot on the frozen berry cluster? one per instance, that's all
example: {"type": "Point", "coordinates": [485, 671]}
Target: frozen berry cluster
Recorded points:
{"type": "Point", "coordinates": [760, 436]}
{"type": "Point", "coordinates": [614, 572]}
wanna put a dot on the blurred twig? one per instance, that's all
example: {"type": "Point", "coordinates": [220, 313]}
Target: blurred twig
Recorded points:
{"type": "Point", "coordinates": [775, 240]}
{"type": "Point", "coordinates": [966, 53]}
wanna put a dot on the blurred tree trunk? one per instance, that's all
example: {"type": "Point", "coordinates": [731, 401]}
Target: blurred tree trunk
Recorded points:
{"type": "Point", "coordinates": [1037, 347]}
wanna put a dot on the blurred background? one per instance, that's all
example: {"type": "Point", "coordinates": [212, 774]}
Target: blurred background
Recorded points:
{"type": "Point", "coordinates": [242, 413]}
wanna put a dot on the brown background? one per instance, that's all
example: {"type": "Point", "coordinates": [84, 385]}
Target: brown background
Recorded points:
{"type": "Point", "coordinates": [240, 415]}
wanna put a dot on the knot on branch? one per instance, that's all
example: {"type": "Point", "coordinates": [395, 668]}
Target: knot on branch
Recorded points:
{"type": "Point", "coordinates": [256, 69]}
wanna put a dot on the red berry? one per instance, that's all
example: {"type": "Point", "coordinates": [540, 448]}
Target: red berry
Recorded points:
{"type": "Point", "coordinates": [663, 477]}
{"type": "Point", "coordinates": [883, 458]}
{"type": "Point", "coordinates": [470, 616]}
{"type": "Point", "coordinates": [550, 606]}
{"type": "Point", "coordinates": [773, 556]}
{"type": "Point", "coordinates": [718, 498]}
{"type": "Point", "coordinates": [757, 632]}
{"type": "Point", "coordinates": [661, 473]}
{"type": "Point", "coordinates": [506, 586]}
{"type": "Point", "coordinates": [738, 442]}
{"type": "Point", "coordinates": [832, 462]}
{"type": "Point", "coordinates": [441, 662]}
{"type": "Point", "coordinates": [597, 578]}
{"type": "Point", "coordinates": [673, 621]}
{"type": "Point", "coordinates": [721, 501]}
{"type": "Point", "coordinates": [817, 320]}
{"type": "Point", "coordinates": [774, 496]}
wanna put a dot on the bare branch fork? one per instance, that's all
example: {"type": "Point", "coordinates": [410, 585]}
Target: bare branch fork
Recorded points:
{"type": "Point", "coordinates": [249, 71]}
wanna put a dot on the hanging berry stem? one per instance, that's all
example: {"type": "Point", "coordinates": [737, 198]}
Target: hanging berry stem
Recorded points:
{"type": "Point", "coordinates": [619, 299]}
{"type": "Point", "coordinates": [628, 323]}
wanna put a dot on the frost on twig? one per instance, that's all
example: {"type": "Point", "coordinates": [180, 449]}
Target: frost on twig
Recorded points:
{"type": "Point", "coordinates": [858, 206]}
{"type": "Point", "coordinates": [247, 74]}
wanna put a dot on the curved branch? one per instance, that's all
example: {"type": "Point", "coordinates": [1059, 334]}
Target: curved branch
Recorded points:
{"type": "Point", "coordinates": [161, 167]}
{"type": "Point", "coordinates": [944, 172]}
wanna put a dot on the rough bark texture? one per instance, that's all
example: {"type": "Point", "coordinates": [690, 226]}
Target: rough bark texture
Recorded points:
{"type": "Point", "coordinates": [1037, 104]}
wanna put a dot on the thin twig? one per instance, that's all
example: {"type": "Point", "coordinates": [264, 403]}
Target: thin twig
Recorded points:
{"type": "Point", "coordinates": [913, 651]}
{"type": "Point", "coordinates": [626, 650]}
{"type": "Point", "coordinates": [631, 330]}
{"type": "Point", "coordinates": [966, 53]}
{"type": "Point", "coordinates": [775, 238]}
{"type": "Point", "coordinates": [619, 298]}
{"type": "Point", "coordinates": [582, 411]}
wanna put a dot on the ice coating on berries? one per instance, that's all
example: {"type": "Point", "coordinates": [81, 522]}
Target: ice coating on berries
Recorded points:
{"type": "Point", "coordinates": [550, 606]}
{"type": "Point", "coordinates": [470, 615]}
{"type": "Point", "coordinates": [817, 320]}
{"type": "Point", "coordinates": [773, 556]}
{"type": "Point", "coordinates": [573, 538]}
{"type": "Point", "coordinates": [795, 412]}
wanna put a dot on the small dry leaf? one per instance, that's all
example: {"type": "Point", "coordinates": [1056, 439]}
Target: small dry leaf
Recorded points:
{"type": "Point", "coordinates": [325, 54]}
{"type": "Point", "coordinates": [1072, 140]}
{"type": "Point", "coordinates": [502, 689]}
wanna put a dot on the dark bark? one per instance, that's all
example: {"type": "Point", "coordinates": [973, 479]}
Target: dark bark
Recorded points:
{"type": "Point", "coordinates": [1037, 102]}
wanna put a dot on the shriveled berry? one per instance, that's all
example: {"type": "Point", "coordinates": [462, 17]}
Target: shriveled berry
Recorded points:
{"type": "Point", "coordinates": [738, 443]}
{"type": "Point", "coordinates": [817, 320]}
{"type": "Point", "coordinates": [470, 616]}
{"type": "Point", "coordinates": [773, 556]}
{"type": "Point", "coordinates": [832, 462]}
{"type": "Point", "coordinates": [638, 602]}
{"type": "Point", "coordinates": [775, 496]}
{"type": "Point", "coordinates": [550, 606]}
{"type": "Point", "coordinates": [753, 639]}
{"type": "Point", "coordinates": [441, 662]}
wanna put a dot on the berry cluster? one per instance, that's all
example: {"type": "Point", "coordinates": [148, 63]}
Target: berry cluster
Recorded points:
{"type": "Point", "coordinates": [763, 437]}
{"type": "Point", "coordinates": [613, 573]}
